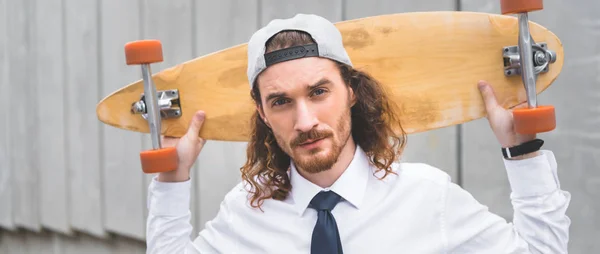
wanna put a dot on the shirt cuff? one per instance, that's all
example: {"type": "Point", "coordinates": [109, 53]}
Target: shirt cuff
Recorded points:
{"type": "Point", "coordinates": [168, 198]}
{"type": "Point", "coordinates": [534, 176]}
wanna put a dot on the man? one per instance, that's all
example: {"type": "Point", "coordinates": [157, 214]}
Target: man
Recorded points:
{"type": "Point", "coordinates": [323, 176]}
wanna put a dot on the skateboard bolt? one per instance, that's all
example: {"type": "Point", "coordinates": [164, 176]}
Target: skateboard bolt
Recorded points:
{"type": "Point", "coordinates": [138, 107]}
{"type": "Point", "coordinates": [540, 58]}
{"type": "Point", "coordinates": [552, 56]}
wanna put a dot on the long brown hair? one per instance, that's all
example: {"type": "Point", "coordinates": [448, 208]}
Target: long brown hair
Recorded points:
{"type": "Point", "coordinates": [376, 128]}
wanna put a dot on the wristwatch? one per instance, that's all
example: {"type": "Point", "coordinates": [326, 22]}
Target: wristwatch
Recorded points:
{"type": "Point", "coordinates": [525, 148]}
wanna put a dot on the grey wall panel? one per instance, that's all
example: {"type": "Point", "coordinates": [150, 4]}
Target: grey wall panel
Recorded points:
{"type": "Point", "coordinates": [575, 141]}
{"type": "Point", "coordinates": [219, 25]}
{"type": "Point", "coordinates": [6, 172]}
{"type": "Point", "coordinates": [122, 177]}
{"type": "Point", "coordinates": [30, 242]}
{"type": "Point", "coordinates": [437, 147]}
{"type": "Point", "coordinates": [13, 243]}
{"type": "Point", "coordinates": [55, 243]}
{"type": "Point", "coordinates": [50, 87]}
{"type": "Point", "coordinates": [88, 244]}
{"type": "Point", "coordinates": [171, 23]}
{"type": "Point", "coordinates": [23, 128]}
{"type": "Point", "coordinates": [274, 9]}
{"type": "Point", "coordinates": [82, 56]}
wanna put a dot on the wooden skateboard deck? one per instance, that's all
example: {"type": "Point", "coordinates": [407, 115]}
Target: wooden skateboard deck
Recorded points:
{"type": "Point", "coordinates": [429, 62]}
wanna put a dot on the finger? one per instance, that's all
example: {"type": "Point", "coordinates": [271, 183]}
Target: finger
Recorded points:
{"type": "Point", "coordinates": [195, 125]}
{"type": "Point", "coordinates": [489, 97]}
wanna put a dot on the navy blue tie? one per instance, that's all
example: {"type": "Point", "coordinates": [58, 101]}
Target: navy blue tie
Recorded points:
{"type": "Point", "coordinates": [325, 237]}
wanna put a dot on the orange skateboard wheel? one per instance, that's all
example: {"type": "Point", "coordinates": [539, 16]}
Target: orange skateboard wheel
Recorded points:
{"type": "Point", "coordinates": [534, 120]}
{"type": "Point", "coordinates": [520, 6]}
{"type": "Point", "coordinates": [159, 160]}
{"type": "Point", "coordinates": [143, 52]}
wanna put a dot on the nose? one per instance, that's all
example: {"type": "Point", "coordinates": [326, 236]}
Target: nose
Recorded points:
{"type": "Point", "coordinates": [305, 118]}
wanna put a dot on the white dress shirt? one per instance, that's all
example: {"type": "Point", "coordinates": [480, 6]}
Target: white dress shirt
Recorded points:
{"type": "Point", "coordinates": [416, 210]}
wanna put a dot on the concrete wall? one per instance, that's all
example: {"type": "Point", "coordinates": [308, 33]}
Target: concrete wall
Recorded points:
{"type": "Point", "coordinates": [69, 184]}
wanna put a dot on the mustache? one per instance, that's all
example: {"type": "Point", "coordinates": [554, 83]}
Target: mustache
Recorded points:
{"type": "Point", "coordinates": [312, 134]}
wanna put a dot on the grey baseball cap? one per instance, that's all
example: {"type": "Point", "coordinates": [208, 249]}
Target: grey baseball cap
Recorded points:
{"type": "Point", "coordinates": [327, 37]}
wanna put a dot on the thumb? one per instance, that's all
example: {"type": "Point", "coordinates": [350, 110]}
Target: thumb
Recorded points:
{"type": "Point", "coordinates": [195, 125]}
{"type": "Point", "coordinates": [489, 97]}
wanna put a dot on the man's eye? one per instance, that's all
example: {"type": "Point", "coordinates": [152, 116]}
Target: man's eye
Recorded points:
{"type": "Point", "coordinates": [319, 91]}
{"type": "Point", "coordinates": [279, 102]}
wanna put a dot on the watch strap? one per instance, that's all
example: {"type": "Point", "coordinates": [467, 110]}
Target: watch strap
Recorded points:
{"type": "Point", "coordinates": [525, 148]}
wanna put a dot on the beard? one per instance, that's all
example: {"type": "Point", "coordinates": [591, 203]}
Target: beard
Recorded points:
{"type": "Point", "coordinates": [314, 161]}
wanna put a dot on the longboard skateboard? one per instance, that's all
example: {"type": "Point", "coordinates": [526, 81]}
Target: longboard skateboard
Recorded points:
{"type": "Point", "coordinates": [429, 63]}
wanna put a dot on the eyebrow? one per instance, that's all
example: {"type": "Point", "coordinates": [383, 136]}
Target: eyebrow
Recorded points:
{"type": "Point", "coordinates": [321, 82]}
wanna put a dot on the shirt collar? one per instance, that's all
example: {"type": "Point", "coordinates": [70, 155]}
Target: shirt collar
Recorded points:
{"type": "Point", "coordinates": [350, 185]}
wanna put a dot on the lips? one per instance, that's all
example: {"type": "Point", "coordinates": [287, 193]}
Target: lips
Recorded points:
{"type": "Point", "coordinates": [310, 138]}
{"type": "Point", "coordinates": [309, 141]}
{"type": "Point", "coordinates": [311, 144]}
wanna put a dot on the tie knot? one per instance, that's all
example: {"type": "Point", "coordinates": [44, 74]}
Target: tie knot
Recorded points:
{"type": "Point", "coordinates": [325, 200]}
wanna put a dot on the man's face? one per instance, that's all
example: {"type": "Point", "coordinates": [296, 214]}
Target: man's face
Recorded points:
{"type": "Point", "coordinates": [307, 105]}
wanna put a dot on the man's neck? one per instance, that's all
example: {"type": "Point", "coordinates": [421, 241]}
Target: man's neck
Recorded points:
{"type": "Point", "coordinates": [326, 178]}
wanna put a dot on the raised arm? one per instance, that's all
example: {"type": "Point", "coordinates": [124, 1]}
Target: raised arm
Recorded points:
{"type": "Point", "coordinates": [168, 226]}
{"type": "Point", "coordinates": [540, 223]}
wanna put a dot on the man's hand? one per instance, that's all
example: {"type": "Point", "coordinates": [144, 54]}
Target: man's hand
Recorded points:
{"type": "Point", "coordinates": [501, 120]}
{"type": "Point", "coordinates": [188, 149]}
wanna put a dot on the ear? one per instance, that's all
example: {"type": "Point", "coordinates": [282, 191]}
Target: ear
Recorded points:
{"type": "Point", "coordinates": [262, 116]}
{"type": "Point", "coordinates": [351, 96]}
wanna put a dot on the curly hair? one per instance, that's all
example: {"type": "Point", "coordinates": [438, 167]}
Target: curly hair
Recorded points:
{"type": "Point", "coordinates": [376, 128]}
